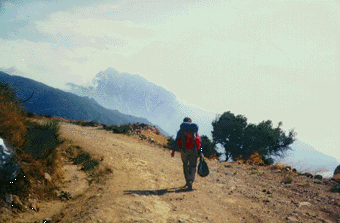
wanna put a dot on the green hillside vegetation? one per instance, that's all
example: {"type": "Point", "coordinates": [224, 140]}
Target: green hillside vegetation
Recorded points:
{"type": "Point", "coordinates": [35, 145]}
{"type": "Point", "coordinates": [38, 151]}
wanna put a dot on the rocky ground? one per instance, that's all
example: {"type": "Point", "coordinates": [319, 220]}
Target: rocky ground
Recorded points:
{"type": "Point", "coordinates": [144, 185]}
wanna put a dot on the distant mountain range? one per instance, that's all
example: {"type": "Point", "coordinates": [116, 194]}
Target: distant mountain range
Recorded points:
{"type": "Point", "coordinates": [51, 101]}
{"type": "Point", "coordinates": [117, 98]}
{"type": "Point", "coordinates": [305, 158]}
{"type": "Point", "coordinates": [134, 95]}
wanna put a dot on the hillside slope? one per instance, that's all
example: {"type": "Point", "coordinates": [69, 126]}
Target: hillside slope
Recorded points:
{"type": "Point", "coordinates": [145, 186]}
{"type": "Point", "coordinates": [305, 158]}
{"type": "Point", "coordinates": [51, 101]}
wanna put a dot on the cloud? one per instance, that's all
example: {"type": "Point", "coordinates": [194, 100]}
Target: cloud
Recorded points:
{"type": "Point", "coordinates": [269, 59]}
{"type": "Point", "coordinates": [67, 23]}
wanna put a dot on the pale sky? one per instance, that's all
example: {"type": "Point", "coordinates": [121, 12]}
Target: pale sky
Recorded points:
{"type": "Point", "coordinates": [276, 60]}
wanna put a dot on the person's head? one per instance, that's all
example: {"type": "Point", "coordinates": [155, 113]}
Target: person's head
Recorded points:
{"type": "Point", "coordinates": [187, 119]}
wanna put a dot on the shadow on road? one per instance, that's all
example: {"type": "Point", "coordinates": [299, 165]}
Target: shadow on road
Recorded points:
{"type": "Point", "coordinates": [157, 192]}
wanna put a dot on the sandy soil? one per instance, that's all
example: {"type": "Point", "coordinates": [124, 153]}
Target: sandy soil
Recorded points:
{"type": "Point", "coordinates": [146, 182]}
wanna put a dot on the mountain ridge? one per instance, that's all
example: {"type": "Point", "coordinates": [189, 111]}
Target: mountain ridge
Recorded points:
{"type": "Point", "coordinates": [306, 161]}
{"type": "Point", "coordinates": [55, 102]}
{"type": "Point", "coordinates": [135, 95]}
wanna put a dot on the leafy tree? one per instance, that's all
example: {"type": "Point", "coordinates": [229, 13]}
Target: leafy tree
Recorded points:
{"type": "Point", "coordinates": [242, 139]}
{"type": "Point", "coordinates": [209, 148]}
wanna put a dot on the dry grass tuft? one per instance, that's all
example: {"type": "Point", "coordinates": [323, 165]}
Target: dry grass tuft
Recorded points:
{"type": "Point", "coordinates": [278, 166]}
{"type": "Point", "coordinates": [287, 180]}
{"type": "Point", "coordinates": [13, 122]}
{"type": "Point", "coordinates": [239, 159]}
{"type": "Point", "coordinates": [213, 157]}
{"type": "Point", "coordinates": [255, 158]}
{"type": "Point", "coordinates": [155, 135]}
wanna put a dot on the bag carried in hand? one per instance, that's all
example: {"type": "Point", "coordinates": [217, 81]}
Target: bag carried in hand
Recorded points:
{"type": "Point", "coordinates": [203, 169]}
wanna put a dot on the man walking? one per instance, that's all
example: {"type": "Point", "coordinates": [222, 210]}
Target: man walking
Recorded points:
{"type": "Point", "coordinates": [189, 142]}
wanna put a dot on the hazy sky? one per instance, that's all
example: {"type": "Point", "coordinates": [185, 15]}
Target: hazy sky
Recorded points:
{"type": "Point", "coordinates": [276, 60]}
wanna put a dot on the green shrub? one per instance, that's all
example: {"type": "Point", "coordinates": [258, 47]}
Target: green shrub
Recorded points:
{"type": "Point", "coordinates": [90, 123]}
{"type": "Point", "coordinates": [87, 162]}
{"type": "Point", "coordinates": [30, 114]}
{"type": "Point", "coordinates": [82, 158]}
{"type": "Point", "coordinates": [35, 144]}
{"type": "Point", "coordinates": [268, 161]}
{"type": "Point", "coordinates": [335, 189]}
{"type": "Point", "coordinates": [91, 164]}
{"type": "Point", "coordinates": [42, 138]}
{"type": "Point", "coordinates": [76, 122]}
{"type": "Point", "coordinates": [124, 129]}
{"type": "Point", "coordinates": [287, 180]}
{"type": "Point", "coordinates": [84, 123]}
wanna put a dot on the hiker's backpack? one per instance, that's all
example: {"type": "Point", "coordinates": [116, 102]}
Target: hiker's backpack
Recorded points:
{"type": "Point", "coordinates": [188, 135]}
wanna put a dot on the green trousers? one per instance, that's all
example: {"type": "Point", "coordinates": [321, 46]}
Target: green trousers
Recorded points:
{"type": "Point", "coordinates": [189, 159]}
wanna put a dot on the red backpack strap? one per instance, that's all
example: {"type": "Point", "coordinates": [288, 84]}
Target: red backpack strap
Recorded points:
{"type": "Point", "coordinates": [183, 141]}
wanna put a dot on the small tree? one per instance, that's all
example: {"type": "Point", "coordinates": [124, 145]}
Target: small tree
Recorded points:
{"type": "Point", "coordinates": [227, 131]}
{"type": "Point", "coordinates": [242, 139]}
{"type": "Point", "coordinates": [209, 148]}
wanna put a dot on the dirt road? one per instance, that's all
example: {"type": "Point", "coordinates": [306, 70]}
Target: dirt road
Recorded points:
{"type": "Point", "coordinates": [146, 185]}
{"type": "Point", "coordinates": [146, 182]}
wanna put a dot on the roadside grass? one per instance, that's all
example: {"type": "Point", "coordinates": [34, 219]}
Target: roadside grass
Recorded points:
{"type": "Point", "coordinates": [85, 123]}
{"type": "Point", "coordinates": [213, 157]}
{"type": "Point", "coordinates": [278, 166]}
{"type": "Point", "coordinates": [98, 176]}
{"type": "Point", "coordinates": [123, 129]}
{"type": "Point", "coordinates": [96, 173]}
{"type": "Point", "coordinates": [81, 158]}
{"type": "Point", "coordinates": [41, 156]}
{"type": "Point", "coordinates": [78, 156]}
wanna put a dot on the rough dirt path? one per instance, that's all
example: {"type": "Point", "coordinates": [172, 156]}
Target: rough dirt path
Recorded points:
{"type": "Point", "coordinates": [145, 186]}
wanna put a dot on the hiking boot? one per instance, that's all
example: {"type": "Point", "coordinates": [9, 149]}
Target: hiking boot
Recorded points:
{"type": "Point", "coordinates": [189, 187]}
